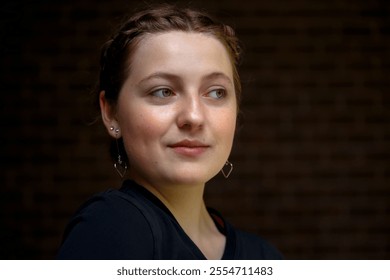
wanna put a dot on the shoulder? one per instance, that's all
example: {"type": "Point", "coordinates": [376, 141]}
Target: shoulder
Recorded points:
{"type": "Point", "coordinates": [251, 246]}
{"type": "Point", "coordinates": [110, 225]}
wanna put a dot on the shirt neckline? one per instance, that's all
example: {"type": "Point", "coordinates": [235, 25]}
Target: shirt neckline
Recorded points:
{"type": "Point", "coordinates": [223, 226]}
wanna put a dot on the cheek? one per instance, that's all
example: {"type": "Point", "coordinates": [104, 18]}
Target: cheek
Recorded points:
{"type": "Point", "coordinates": [143, 126]}
{"type": "Point", "coordinates": [140, 135]}
{"type": "Point", "coordinates": [231, 129]}
{"type": "Point", "coordinates": [227, 122]}
{"type": "Point", "coordinates": [226, 132]}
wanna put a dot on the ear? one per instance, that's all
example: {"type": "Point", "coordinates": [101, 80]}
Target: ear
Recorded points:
{"type": "Point", "coordinates": [108, 116]}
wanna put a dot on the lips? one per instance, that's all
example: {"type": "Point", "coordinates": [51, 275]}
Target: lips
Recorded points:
{"type": "Point", "coordinates": [190, 148]}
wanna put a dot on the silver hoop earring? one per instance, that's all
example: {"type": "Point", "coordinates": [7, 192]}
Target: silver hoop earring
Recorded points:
{"type": "Point", "coordinates": [120, 166]}
{"type": "Point", "coordinates": [227, 169]}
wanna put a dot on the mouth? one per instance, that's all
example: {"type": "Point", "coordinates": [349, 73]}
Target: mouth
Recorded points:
{"type": "Point", "coordinates": [189, 148]}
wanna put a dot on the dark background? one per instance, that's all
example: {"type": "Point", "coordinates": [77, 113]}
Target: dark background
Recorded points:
{"type": "Point", "coordinates": [311, 160]}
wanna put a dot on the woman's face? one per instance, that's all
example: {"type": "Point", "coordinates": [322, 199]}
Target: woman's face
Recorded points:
{"type": "Point", "coordinates": [177, 109]}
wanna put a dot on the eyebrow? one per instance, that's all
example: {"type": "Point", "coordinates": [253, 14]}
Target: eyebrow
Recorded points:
{"type": "Point", "coordinates": [217, 75]}
{"type": "Point", "coordinates": [159, 75]}
{"type": "Point", "coordinates": [173, 77]}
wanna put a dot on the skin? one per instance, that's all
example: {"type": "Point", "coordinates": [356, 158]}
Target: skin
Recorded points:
{"type": "Point", "coordinates": [177, 114]}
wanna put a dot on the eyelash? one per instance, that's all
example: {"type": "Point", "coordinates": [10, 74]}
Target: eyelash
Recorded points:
{"type": "Point", "coordinates": [166, 92]}
{"type": "Point", "coordinates": [218, 90]}
{"type": "Point", "coordinates": [163, 91]}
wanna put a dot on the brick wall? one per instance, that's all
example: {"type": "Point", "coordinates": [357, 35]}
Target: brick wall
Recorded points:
{"type": "Point", "coordinates": [311, 158]}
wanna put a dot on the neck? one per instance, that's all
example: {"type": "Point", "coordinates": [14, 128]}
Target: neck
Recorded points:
{"type": "Point", "coordinates": [186, 204]}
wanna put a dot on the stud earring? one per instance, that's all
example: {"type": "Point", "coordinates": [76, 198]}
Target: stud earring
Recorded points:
{"type": "Point", "coordinates": [227, 169]}
{"type": "Point", "coordinates": [120, 166]}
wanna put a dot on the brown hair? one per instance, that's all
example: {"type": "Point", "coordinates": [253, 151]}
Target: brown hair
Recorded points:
{"type": "Point", "coordinates": [115, 61]}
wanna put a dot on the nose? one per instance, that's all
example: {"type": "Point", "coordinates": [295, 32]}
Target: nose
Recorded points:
{"type": "Point", "coordinates": [191, 113]}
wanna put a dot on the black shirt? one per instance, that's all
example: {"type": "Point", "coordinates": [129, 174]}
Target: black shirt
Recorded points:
{"type": "Point", "coordinates": [131, 223]}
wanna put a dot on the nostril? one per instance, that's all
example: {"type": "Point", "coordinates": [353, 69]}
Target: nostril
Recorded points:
{"type": "Point", "coordinates": [185, 125]}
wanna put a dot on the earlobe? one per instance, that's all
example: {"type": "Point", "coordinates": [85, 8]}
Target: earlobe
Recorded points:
{"type": "Point", "coordinates": [107, 113]}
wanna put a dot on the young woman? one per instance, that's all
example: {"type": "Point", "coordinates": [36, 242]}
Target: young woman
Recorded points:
{"type": "Point", "coordinates": [169, 92]}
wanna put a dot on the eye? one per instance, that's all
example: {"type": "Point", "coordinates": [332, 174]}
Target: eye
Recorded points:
{"type": "Point", "coordinates": [217, 93]}
{"type": "Point", "coordinates": [162, 93]}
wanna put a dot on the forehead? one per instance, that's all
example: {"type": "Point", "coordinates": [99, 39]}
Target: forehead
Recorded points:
{"type": "Point", "coordinates": [180, 52]}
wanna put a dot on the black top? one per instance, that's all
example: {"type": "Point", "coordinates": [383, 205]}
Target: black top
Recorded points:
{"type": "Point", "coordinates": [131, 223]}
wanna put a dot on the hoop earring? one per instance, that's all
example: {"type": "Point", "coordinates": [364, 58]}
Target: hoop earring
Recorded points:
{"type": "Point", "coordinates": [120, 166]}
{"type": "Point", "coordinates": [229, 168]}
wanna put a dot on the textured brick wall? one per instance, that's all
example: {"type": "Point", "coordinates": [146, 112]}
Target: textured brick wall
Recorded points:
{"type": "Point", "coordinates": [311, 159]}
